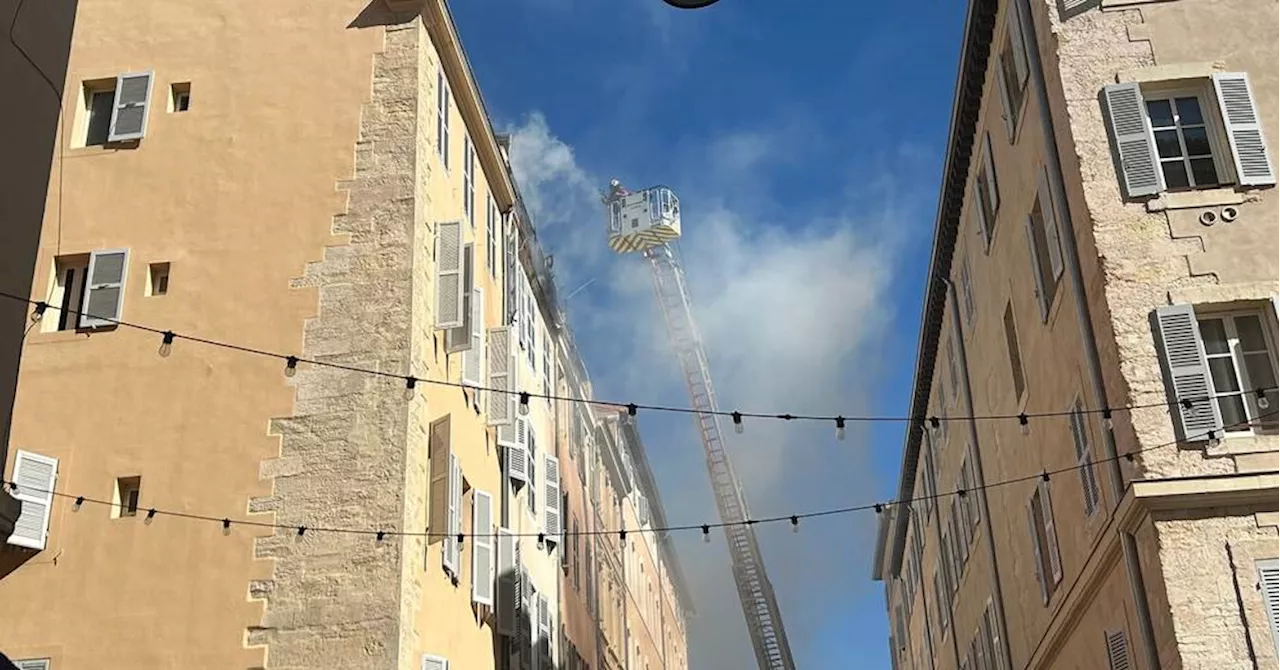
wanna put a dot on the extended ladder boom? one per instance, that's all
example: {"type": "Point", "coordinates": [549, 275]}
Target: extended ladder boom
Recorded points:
{"type": "Point", "coordinates": [759, 605]}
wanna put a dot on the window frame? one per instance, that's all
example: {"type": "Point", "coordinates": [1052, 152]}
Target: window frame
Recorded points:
{"type": "Point", "coordinates": [1214, 125]}
{"type": "Point", "coordinates": [1228, 316]}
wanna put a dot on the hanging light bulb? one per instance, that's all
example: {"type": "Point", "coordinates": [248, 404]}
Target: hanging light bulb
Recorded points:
{"type": "Point", "coordinates": [166, 344]}
{"type": "Point", "coordinates": [622, 537]}
{"type": "Point", "coordinates": [38, 312]}
{"type": "Point", "coordinates": [290, 366]}
{"type": "Point", "coordinates": [795, 524]}
{"type": "Point", "coordinates": [737, 422]}
{"type": "Point", "coordinates": [706, 533]}
{"type": "Point", "coordinates": [524, 403]}
{"type": "Point", "coordinates": [1106, 419]}
{"type": "Point", "coordinates": [1263, 401]}
{"type": "Point", "coordinates": [840, 428]}
{"type": "Point", "coordinates": [1023, 424]}
{"type": "Point", "coordinates": [542, 540]}
{"type": "Point", "coordinates": [410, 383]}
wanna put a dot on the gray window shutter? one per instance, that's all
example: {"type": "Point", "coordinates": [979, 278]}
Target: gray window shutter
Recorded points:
{"type": "Point", "coordinates": [452, 548]}
{"type": "Point", "coordinates": [1269, 586]}
{"type": "Point", "coordinates": [449, 280]}
{"type": "Point", "coordinates": [1019, 46]}
{"type": "Point", "coordinates": [508, 581]}
{"type": "Point", "coordinates": [129, 116]}
{"type": "Point", "coordinates": [502, 368]}
{"type": "Point", "coordinates": [1068, 9]}
{"type": "Point", "coordinates": [1244, 128]}
{"type": "Point", "coordinates": [482, 582]}
{"type": "Point", "coordinates": [1127, 113]}
{"type": "Point", "coordinates": [1042, 295]}
{"type": "Point", "coordinates": [1048, 212]}
{"type": "Point", "coordinates": [459, 338]}
{"type": "Point", "coordinates": [1050, 533]}
{"type": "Point", "coordinates": [514, 440]}
{"type": "Point", "coordinates": [35, 476]}
{"type": "Point", "coordinates": [551, 509]}
{"type": "Point", "coordinates": [104, 290]}
{"type": "Point", "coordinates": [33, 664]}
{"type": "Point", "coordinates": [1005, 102]}
{"type": "Point", "coordinates": [1039, 560]}
{"type": "Point", "coordinates": [1118, 651]}
{"type": "Point", "coordinates": [1184, 361]}
{"type": "Point", "coordinates": [988, 162]}
{"type": "Point", "coordinates": [440, 452]}
{"type": "Point", "coordinates": [430, 662]}
{"type": "Point", "coordinates": [473, 357]}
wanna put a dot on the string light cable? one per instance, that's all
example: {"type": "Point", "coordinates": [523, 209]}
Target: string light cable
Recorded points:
{"type": "Point", "coordinates": [291, 364]}
{"type": "Point", "coordinates": [794, 519]}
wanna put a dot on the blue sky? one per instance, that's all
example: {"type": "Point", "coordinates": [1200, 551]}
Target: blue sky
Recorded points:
{"type": "Point", "coordinates": [806, 147]}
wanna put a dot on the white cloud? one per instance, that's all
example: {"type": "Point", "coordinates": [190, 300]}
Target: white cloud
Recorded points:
{"type": "Point", "coordinates": [791, 313]}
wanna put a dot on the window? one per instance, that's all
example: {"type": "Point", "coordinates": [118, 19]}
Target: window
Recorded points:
{"type": "Point", "coordinates": [469, 180]}
{"type": "Point", "coordinates": [966, 292]}
{"type": "Point", "coordinates": [115, 110]}
{"type": "Point", "coordinates": [1011, 70]}
{"type": "Point", "coordinates": [99, 101]}
{"type": "Point", "coordinates": [1015, 354]}
{"type": "Point", "coordinates": [1177, 139]}
{"type": "Point", "coordinates": [1044, 537]}
{"type": "Point", "coordinates": [87, 290]}
{"type": "Point", "coordinates": [180, 97]}
{"type": "Point", "coordinates": [930, 479]}
{"type": "Point", "coordinates": [953, 368]}
{"type": "Point", "coordinates": [1241, 358]}
{"type": "Point", "coordinates": [941, 597]}
{"type": "Point", "coordinates": [67, 296]}
{"type": "Point", "coordinates": [491, 235]}
{"type": "Point", "coordinates": [158, 279]}
{"type": "Point", "coordinates": [125, 503]}
{"type": "Point", "coordinates": [986, 194]}
{"type": "Point", "coordinates": [1084, 458]}
{"type": "Point", "coordinates": [1269, 588]}
{"type": "Point", "coordinates": [1045, 245]}
{"type": "Point", "coordinates": [442, 118]}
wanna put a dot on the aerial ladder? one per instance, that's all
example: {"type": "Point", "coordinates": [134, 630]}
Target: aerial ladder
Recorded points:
{"type": "Point", "coordinates": [647, 222]}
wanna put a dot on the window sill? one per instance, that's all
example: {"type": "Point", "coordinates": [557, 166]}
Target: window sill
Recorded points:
{"type": "Point", "coordinates": [58, 336]}
{"type": "Point", "coordinates": [1241, 443]}
{"type": "Point", "coordinates": [1213, 197]}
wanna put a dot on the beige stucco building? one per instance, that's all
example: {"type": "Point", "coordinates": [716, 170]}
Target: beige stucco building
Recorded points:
{"type": "Point", "coordinates": [324, 185]}
{"type": "Point", "coordinates": [1105, 253]}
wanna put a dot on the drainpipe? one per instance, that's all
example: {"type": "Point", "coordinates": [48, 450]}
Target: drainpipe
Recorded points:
{"type": "Point", "coordinates": [1083, 315]}
{"type": "Point", "coordinates": [980, 481]}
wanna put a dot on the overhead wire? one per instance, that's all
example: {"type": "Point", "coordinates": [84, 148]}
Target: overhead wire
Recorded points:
{"type": "Point", "coordinates": [292, 362]}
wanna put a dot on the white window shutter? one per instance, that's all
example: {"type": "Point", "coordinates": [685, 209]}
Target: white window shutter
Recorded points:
{"type": "Point", "coordinates": [1039, 560]}
{"type": "Point", "coordinates": [508, 581]}
{"type": "Point", "coordinates": [473, 357]}
{"type": "Point", "coordinates": [988, 162]}
{"type": "Point", "coordinates": [502, 371]}
{"type": "Point", "coordinates": [33, 664]}
{"type": "Point", "coordinates": [449, 284]}
{"type": "Point", "coordinates": [132, 102]}
{"type": "Point", "coordinates": [1118, 651]}
{"type": "Point", "coordinates": [1042, 295]}
{"type": "Point", "coordinates": [449, 553]}
{"type": "Point", "coordinates": [1050, 532]}
{"type": "Point", "coordinates": [1244, 128]}
{"type": "Point", "coordinates": [1127, 112]}
{"type": "Point", "coordinates": [1052, 236]}
{"type": "Point", "coordinates": [430, 662]}
{"type": "Point", "coordinates": [1269, 587]}
{"type": "Point", "coordinates": [35, 476]}
{"type": "Point", "coordinates": [1183, 356]}
{"type": "Point", "coordinates": [551, 524]}
{"type": "Point", "coordinates": [104, 290]}
{"type": "Point", "coordinates": [482, 582]}
{"type": "Point", "coordinates": [514, 440]}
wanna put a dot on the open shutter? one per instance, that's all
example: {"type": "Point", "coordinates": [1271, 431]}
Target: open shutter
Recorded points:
{"type": "Point", "coordinates": [508, 581]}
{"type": "Point", "coordinates": [1269, 587]}
{"type": "Point", "coordinates": [455, 516]}
{"type": "Point", "coordinates": [1117, 651]}
{"type": "Point", "coordinates": [459, 338]}
{"type": "Point", "coordinates": [35, 476]}
{"type": "Point", "coordinates": [33, 664]}
{"type": "Point", "coordinates": [1005, 102]}
{"type": "Point", "coordinates": [502, 375]}
{"type": "Point", "coordinates": [514, 440]}
{"type": "Point", "coordinates": [472, 358]}
{"type": "Point", "coordinates": [440, 454]}
{"type": "Point", "coordinates": [1050, 532]}
{"type": "Point", "coordinates": [551, 488]}
{"type": "Point", "coordinates": [1183, 354]}
{"type": "Point", "coordinates": [104, 290]}
{"type": "Point", "coordinates": [1127, 113]}
{"type": "Point", "coordinates": [1039, 559]}
{"type": "Point", "coordinates": [129, 117]}
{"type": "Point", "coordinates": [1244, 129]}
{"type": "Point", "coordinates": [1042, 300]}
{"type": "Point", "coordinates": [979, 217]}
{"type": "Point", "coordinates": [1049, 214]}
{"type": "Point", "coordinates": [988, 162]}
{"type": "Point", "coordinates": [482, 548]}
{"type": "Point", "coordinates": [449, 284]}
{"type": "Point", "coordinates": [430, 662]}
{"type": "Point", "coordinates": [544, 627]}
{"type": "Point", "coordinates": [1018, 45]}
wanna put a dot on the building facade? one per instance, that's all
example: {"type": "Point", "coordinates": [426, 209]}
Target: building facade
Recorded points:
{"type": "Point", "coordinates": [380, 248]}
{"type": "Point", "coordinates": [1104, 276]}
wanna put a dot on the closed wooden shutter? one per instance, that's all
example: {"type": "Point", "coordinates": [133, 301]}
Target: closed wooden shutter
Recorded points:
{"type": "Point", "coordinates": [508, 581]}
{"type": "Point", "coordinates": [439, 453]}
{"type": "Point", "coordinates": [35, 477]}
{"type": "Point", "coordinates": [502, 376]}
{"type": "Point", "coordinates": [551, 510]}
{"type": "Point", "coordinates": [1118, 651]}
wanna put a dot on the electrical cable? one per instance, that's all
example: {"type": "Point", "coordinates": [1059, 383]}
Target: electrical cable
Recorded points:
{"type": "Point", "coordinates": [291, 363]}
{"type": "Point", "coordinates": [793, 519]}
